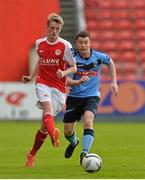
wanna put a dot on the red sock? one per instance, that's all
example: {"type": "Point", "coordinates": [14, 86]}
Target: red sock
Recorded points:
{"type": "Point", "coordinates": [39, 139]}
{"type": "Point", "coordinates": [48, 121]}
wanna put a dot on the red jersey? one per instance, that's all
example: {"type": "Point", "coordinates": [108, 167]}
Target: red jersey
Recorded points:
{"type": "Point", "coordinates": [53, 56]}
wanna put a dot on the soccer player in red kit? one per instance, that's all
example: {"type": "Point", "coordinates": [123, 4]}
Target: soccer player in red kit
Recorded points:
{"type": "Point", "coordinates": [51, 71]}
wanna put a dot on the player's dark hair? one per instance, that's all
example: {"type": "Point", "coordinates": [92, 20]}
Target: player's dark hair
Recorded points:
{"type": "Point", "coordinates": [83, 34]}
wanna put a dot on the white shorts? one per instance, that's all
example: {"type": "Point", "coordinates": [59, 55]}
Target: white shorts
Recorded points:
{"type": "Point", "coordinates": [54, 96]}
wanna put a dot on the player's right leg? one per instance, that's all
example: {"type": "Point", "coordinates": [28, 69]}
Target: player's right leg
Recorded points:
{"type": "Point", "coordinates": [73, 113]}
{"type": "Point", "coordinates": [70, 135]}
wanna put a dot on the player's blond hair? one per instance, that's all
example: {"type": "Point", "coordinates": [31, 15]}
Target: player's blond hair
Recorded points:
{"type": "Point", "coordinates": [55, 17]}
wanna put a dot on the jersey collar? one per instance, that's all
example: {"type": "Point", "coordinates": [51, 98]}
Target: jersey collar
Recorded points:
{"type": "Point", "coordinates": [88, 57]}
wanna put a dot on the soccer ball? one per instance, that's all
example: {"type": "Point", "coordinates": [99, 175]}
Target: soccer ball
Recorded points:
{"type": "Point", "coordinates": [92, 163]}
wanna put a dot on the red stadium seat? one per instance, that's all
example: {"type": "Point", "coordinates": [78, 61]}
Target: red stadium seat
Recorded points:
{"type": "Point", "coordinates": [104, 14]}
{"type": "Point", "coordinates": [119, 76]}
{"type": "Point", "coordinates": [108, 13]}
{"type": "Point", "coordinates": [121, 14]}
{"type": "Point", "coordinates": [141, 45]}
{"type": "Point", "coordinates": [95, 35]}
{"type": "Point", "coordinates": [126, 67]}
{"type": "Point", "coordinates": [140, 24]}
{"type": "Point", "coordinates": [91, 25]}
{"type": "Point", "coordinates": [119, 67]}
{"type": "Point", "coordinates": [123, 24]}
{"type": "Point", "coordinates": [96, 45]}
{"type": "Point", "coordinates": [106, 25]}
{"type": "Point", "coordinates": [131, 76]}
{"type": "Point", "coordinates": [128, 76]}
{"type": "Point", "coordinates": [89, 4]}
{"type": "Point", "coordinates": [141, 34]}
{"type": "Point", "coordinates": [142, 56]}
{"type": "Point", "coordinates": [90, 14]}
{"type": "Point", "coordinates": [103, 4]}
{"type": "Point", "coordinates": [128, 56]}
{"type": "Point", "coordinates": [138, 4]}
{"type": "Point", "coordinates": [127, 71]}
{"type": "Point", "coordinates": [130, 67]}
{"type": "Point", "coordinates": [139, 14]}
{"type": "Point", "coordinates": [115, 55]}
{"type": "Point", "coordinates": [108, 35]}
{"type": "Point", "coordinates": [143, 70]}
{"type": "Point", "coordinates": [125, 35]}
{"type": "Point", "coordinates": [143, 66]}
{"type": "Point", "coordinates": [126, 45]}
{"type": "Point", "coordinates": [109, 45]}
{"type": "Point", "coordinates": [120, 4]}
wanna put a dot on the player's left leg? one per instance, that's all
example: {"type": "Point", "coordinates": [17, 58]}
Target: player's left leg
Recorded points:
{"type": "Point", "coordinates": [49, 124]}
{"type": "Point", "coordinates": [39, 140]}
{"type": "Point", "coordinates": [90, 108]}
{"type": "Point", "coordinates": [58, 101]}
{"type": "Point", "coordinates": [88, 135]}
{"type": "Point", "coordinates": [48, 118]}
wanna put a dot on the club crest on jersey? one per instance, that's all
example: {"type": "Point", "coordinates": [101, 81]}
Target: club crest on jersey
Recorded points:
{"type": "Point", "coordinates": [57, 52]}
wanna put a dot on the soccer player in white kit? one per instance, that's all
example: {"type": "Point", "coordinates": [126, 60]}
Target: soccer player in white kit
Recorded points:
{"type": "Point", "coordinates": [51, 71]}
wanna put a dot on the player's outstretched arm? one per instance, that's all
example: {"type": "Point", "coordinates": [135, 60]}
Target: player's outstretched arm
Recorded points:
{"type": "Point", "coordinates": [72, 82]}
{"type": "Point", "coordinates": [26, 79]}
{"type": "Point", "coordinates": [112, 69]}
{"type": "Point", "coordinates": [71, 70]}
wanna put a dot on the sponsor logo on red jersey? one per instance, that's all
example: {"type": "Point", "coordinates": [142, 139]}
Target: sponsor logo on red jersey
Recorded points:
{"type": "Point", "coordinates": [49, 61]}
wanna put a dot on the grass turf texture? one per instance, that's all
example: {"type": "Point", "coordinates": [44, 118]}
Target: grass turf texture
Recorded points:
{"type": "Point", "coordinates": [121, 147]}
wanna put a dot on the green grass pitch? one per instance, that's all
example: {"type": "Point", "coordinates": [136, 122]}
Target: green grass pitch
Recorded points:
{"type": "Point", "coordinates": [120, 145]}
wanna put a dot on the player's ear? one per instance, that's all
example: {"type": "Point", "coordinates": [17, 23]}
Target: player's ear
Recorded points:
{"type": "Point", "coordinates": [76, 42]}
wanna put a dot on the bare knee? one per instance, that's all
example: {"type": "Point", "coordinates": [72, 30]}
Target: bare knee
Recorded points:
{"type": "Point", "coordinates": [68, 129]}
{"type": "Point", "coordinates": [88, 124]}
{"type": "Point", "coordinates": [47, 107]}
{"type": "Point", "coordinates": [88, 120]}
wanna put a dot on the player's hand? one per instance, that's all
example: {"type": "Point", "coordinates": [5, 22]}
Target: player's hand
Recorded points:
{"type": "Point", "coordinates": [60, 73]}
{"type": "Point", "coordinates": [114, 88]}
{"type": "Point", "coordinates": [26, 79]}
{"type": "Point", "coordinates": [84, 79]}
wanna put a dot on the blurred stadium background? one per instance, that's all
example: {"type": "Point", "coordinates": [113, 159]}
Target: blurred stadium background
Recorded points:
{"type": "Point", "coordinates": [116, 27]}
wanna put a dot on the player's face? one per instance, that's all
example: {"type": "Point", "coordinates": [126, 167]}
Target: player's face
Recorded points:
{"type": "Point", "coordinates": [54, 30]}
{"type": "Point", "coordinates": [83, 45]}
